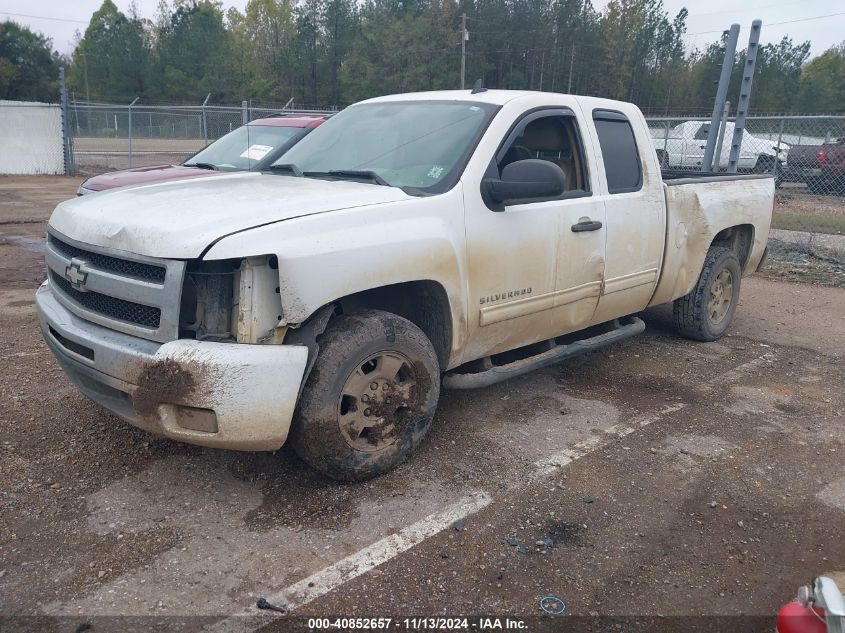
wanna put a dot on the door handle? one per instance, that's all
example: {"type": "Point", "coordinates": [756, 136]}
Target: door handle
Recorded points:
{"type": "Point", "coordinates": [586, 225]}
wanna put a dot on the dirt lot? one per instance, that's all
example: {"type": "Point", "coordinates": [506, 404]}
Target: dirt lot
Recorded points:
{"type": "Point", "coordinates": [659, 477]}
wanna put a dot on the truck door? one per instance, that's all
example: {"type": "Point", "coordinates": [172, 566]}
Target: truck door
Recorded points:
{"type": "Point", "coordinates": [536, 267]}
{"type": "Point", "coordinates": [632, 193]}
{"type": "Point", "coordinates": [696, 145]}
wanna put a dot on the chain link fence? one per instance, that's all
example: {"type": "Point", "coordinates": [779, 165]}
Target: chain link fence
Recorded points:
{"type": "Point", "coordinates": [106, 137]}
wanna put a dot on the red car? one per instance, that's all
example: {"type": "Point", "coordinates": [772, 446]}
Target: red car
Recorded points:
{"type": "Point", "coordinates": [251, 147]}
{"type": "Point", "coordinates": [822, 167]}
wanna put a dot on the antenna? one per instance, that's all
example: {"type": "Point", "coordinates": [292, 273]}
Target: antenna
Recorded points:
{"type": "Point", "coordinates": [478, 87]}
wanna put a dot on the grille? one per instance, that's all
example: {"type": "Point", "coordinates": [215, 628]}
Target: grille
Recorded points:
{"type": "Point", "coordinates": [110, 306]}
{"type": "Point", "coordinates": [125, 267]}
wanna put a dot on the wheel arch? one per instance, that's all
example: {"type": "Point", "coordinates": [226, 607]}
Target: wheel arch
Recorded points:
{"type": "Point", "coordinates": [739, 238]}
{"type": "Point", "coordinates": [424, 303]}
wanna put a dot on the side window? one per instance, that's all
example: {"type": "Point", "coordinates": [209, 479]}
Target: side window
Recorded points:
{"type": "Point", "coordinates": [555, 139]}
{"type": "Point", "coordinates": [701, 135]}
{"type": "Point", "coordinates": [619, 149]}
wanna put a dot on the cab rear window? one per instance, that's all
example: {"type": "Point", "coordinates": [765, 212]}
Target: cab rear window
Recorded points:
{"type": "Point", "coordinates": [619, 150]}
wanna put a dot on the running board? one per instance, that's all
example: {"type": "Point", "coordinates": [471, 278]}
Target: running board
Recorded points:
{"type": "Point", "coordinates": [489, 374]}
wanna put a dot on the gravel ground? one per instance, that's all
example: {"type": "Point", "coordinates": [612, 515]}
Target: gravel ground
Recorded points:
{"type": "Point", "coordinates": [696, 479]}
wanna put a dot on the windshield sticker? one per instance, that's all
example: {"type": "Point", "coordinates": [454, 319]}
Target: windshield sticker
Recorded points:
{"type": "Point", "coordinates": [256, 152]}
{"type": "Point", "coordinates": [435, 172]}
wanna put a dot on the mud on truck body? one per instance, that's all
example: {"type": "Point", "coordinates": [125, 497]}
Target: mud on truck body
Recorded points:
{"type": "Point", "coordinates": [410, 241]}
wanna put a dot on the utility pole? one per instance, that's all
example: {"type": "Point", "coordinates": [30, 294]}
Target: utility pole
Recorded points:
{"type": "Point", "coordinates": [542, 65]}
{"type": "Point", "coordinates": [464, 38]}
{"type": "Point", "coordinates": [205, 121]}
{"type": "Point", "coordinates": [85, 67]}
{"type": "Point", "coordinates": [571, 62]}
{"type": "Point", "coordinates": [134, 101]}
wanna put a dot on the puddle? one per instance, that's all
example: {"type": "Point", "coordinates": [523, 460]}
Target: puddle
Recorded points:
{"type": "Point", "coordinates": [26, 242]}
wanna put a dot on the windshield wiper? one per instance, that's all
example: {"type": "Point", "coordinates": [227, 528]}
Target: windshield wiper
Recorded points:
{"type": "Point", "coordinates": [289, 168]}
{"type": "Point", "coordinates": [210, 166]}
{"type": "Point", "coordinates": [351, 174]}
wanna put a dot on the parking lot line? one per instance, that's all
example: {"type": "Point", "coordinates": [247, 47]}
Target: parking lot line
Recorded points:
{"type": "Point", "coordinates": [740, 370]}
{"type": "Point", "coordinates": [551, 464]}
{"type": "Point", "coordinates": [359, 563]}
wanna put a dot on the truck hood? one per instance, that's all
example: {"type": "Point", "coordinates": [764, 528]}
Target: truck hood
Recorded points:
{"type": "Point", "coordinates": [179, 220]}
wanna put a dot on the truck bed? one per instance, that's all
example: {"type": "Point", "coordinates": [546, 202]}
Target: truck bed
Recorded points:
{"type": "Point", "coordinates": [698, 206]}
{"type": "Point", "coordinates": [686, 176]}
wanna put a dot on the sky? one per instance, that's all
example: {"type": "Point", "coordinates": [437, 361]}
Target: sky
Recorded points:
{"type": "Point", "coordinates": [820, 21]}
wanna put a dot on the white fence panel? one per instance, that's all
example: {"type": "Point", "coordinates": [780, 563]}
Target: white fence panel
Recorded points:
{"type": "Point", "coordinates": [31, 138]}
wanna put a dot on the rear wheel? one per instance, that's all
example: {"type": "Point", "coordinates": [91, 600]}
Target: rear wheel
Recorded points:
{"type": "Point", "coordinates": [707, 311]}
{"type": "Point", "coordinates": [370, 397]}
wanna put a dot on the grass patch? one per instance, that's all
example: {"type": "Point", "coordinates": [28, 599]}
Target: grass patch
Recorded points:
{"type": "Point", "coordinates": [831, 224]}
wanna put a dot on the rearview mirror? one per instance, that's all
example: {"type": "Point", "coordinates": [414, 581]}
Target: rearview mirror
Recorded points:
{"type": "Point", "coordinates": [525, 180]}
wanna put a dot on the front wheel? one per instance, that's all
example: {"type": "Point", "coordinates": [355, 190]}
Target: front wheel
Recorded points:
{"type": "Point", "coordinates": [370, 397]}
{"type": "Point", "coordinates": [707, 311]}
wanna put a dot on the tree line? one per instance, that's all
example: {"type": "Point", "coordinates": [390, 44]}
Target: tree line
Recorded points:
{"type": "Point", "coordinates": [335, 52]}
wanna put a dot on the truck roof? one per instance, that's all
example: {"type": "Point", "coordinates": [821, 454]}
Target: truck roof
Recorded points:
{"type": "Point", "coordinates": [495, 97]}
{"type": "Point", "coordinates": [284, 120]}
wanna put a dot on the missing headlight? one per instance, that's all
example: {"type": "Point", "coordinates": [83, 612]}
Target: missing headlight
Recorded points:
{"type": "Point", "coordinates": [207, 300]}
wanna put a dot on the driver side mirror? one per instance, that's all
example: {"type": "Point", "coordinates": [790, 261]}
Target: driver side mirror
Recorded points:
{"type": "Point", "coordinates": [524, 180]}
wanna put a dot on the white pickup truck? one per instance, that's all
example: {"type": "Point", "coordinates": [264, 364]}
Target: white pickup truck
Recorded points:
{"type": "Point", "coordinates": [414, 240]}
{"type": "Point", "coordinates": [683, 147]}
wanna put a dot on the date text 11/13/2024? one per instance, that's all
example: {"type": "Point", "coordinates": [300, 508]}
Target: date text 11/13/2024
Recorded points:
{"type": "Point", "coordinates": [418, 624]}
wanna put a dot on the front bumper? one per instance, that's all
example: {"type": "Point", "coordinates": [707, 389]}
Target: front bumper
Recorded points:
{"type": "Point", "coordinates": [225, 395]}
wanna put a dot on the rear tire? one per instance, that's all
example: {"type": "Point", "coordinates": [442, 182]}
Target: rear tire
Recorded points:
{"type": "Point", "coordinates": [370, 397]}
{"type": "Point", "coordinates": [707, 311]}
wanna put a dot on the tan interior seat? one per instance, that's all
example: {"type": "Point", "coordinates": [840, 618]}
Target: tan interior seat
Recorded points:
{"type": "Point", "coordinates": [549, 136]}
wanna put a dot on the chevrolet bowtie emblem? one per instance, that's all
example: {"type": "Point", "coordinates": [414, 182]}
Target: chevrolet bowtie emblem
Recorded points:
{"type": "Point", "coordinates": [75, 275]}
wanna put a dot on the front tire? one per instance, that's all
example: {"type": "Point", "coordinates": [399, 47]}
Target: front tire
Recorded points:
{"type": "Point", "coordinates": [707, 311]}
{"type": "Point", "coordinates": [370, 397]}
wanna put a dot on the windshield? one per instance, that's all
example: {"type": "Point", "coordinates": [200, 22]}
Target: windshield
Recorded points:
{"type": "Point", "coordinates": [420, 146]}
{"type": "Point", "coordinates": [244, 148]}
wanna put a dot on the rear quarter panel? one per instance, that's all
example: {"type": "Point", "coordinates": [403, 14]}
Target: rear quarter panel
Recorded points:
{"type": "Point", "coordinates": [696, 212]}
